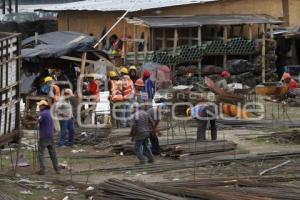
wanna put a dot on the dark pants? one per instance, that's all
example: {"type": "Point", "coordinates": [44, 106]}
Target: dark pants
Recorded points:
{"type": "Point", "coordinates": [49, 144]}
{"type": "Point", "coordinates": [154, 144]}
{"type": "Point", "coordinates": [202, 124]}
{"type": "Point", "coordinates": [141, 148]}
{"type": "Point", "coordinates": [67, 126]}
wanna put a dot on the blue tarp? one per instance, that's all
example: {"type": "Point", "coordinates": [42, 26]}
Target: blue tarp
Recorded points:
{"type": "Point", "coordinates": [55, 45]}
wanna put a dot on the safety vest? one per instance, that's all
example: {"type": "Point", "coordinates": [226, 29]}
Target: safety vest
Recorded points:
{"type": "Point", "coordinates": [116, 91]}
{"type": "Point", "coordinates": [127, 88]}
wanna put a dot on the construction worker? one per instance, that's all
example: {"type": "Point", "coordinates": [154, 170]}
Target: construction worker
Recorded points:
{"type": "Point", "coordinates": [116, 45]}
{"type": "Point", "coordinates": [46, 137]}
{"type": "Point", "coordinates": [51, 89]}
{"type": "Point", "coordinates": [223, 83]}
{"type": "Point", "coordinates": [141, 97]}
{"type": "Point", "coordinates": [128, 94]}
{"type": "Point", "coordinates": [133, 73]}
{"type": "Point", "coordinates": [66, 119]}
{"type": "Point", "coordinates": [149, 87]}
{"type": "Point", "coordinates": [287, 79]}
{"type": "Point", "coordinates": [203, 113]}
{"type": "Point", "coordinates": [141, 126]}
{"type": "Point", "coordinates": [156, 114]}
{"type": "Point", "coordinates": [61, 79]}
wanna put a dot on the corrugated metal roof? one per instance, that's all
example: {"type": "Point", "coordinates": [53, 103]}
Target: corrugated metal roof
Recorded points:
{"type": "Point", "coordinates": [120, 5]}
{"type": "Point", "coordinates": [200, 20]}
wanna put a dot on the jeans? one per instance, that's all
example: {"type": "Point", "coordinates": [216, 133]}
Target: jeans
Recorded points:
{"type": "Point", "coordinates": [154, 144]}
{"type": "Point", "coordinates": [49, 144]}
{"type": "Point", "coordinates": [67, 126]}
{"type": "Point", "coordinates": [141, 148]}
{"type": "Point", "coordinates": [202, 124]}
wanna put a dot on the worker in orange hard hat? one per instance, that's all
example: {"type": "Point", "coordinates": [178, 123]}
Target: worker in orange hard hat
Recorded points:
{"type": "Point", "coordinates": [287, 79]}
{"type": "Point", "coordinates": [141, 95]}
{"type": "Point", "coordinates": [223, 83]}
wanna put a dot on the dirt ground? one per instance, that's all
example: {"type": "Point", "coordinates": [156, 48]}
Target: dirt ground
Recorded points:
{"type": "Point", "coordinates": [73, 185]}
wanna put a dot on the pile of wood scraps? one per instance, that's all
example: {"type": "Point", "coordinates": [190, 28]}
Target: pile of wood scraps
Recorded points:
{"type": "Point", "coordinates": [92, 136]}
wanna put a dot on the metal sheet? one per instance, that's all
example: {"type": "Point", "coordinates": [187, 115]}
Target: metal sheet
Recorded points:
{"type": "Point", "coordinates": [119, 5]}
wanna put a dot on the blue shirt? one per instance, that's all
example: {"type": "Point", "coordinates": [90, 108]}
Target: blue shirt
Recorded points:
{"type": "Point", "coordinates": [46, 124]}
{"type": "Point", "coordinates": [149, 88]}
{"type": "Point", "coordinates": [198, 111]}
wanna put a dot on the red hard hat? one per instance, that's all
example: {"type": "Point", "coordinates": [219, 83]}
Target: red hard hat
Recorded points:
{"type": "Point", "coordinates": [139, 82]}
{"type": "Point", "coordinates": [225, 74]}
{"type": "Point", "coordinates": [146, 74]}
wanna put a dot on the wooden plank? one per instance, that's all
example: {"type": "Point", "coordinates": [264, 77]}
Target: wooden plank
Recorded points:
{"type": "Point", "coordinates": [135, 49]}
{"type": "Point", "coordinates": [146, 44]}
{"type": "Point", "coordinates": [250, 34]}
{"type": "Point", "coordinates": [175, 41]}
{"type": "Point", "coordinates": [83, 62]}
{"type": "Point", "coordinates": [263, 53]}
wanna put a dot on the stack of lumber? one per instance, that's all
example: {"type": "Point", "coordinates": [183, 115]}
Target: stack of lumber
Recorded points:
{"type": "Point", "coordinates": [252, 188]}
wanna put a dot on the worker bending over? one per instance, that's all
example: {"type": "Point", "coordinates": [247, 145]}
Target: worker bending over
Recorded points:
{"type": "Point", "coordinates": [203, 113]}
{"type": "Point", "coordinates": [223, 83]}
{"type": "Point", "coordinates": [141, 126]}
{"type": "Point", "coordinates": [291, 83]}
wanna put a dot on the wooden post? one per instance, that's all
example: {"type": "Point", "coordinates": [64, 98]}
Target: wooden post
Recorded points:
{"type": "Point", "coordinates": [134, 44]}
{"type": "Point", "coordinates": [225, 37]}
{"type": "Point", "coordinates": [83, 61]}
{"type": "Point", "coordinates": [175, 42]}
{"type": "Point", "coordinates": [263, 53]}
{"type": "Point", "coordinates": [271, 31]}
{"type": "Point", "coordinates": [190, 37]}
{"type": "Point", "coordinates": [199, 44]}
{"type": "Point", "coordinates": [82, 69]}
{"type": "Point", "coordinates": [164, 39]}
{"type": "Point", "coordinates": [250, 34]}
{"type": "Point", "coordinates": [146, 39]}
{"type": "Point", "coordinates": [152, 39]}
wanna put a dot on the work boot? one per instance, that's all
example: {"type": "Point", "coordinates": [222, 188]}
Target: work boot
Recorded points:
{"type": "Point", "coordinates": [57, 171]}
{"type": "Point", "coordinates": [41, 172]}
{"type": "Point", "coordinates": [141, 162]}
{"type": "Point", "coordinates": [151, 160]}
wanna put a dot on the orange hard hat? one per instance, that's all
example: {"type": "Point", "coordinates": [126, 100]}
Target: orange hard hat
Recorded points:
{"type": "Point", "coordinates": [286, 76]}
{"type": "Point", "coordinates": [139, 82]}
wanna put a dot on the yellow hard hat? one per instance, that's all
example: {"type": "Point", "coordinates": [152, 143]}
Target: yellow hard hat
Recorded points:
{"type": "Point", "coordinates": [47, 79]}
{"type": "Point", "coordinates": [112, 74]}
{"type": "Point", "coordinates": [124, 70]}
{"type": "Point", "coordinates": [132, 67]}
{"type": "Point", "coordinates": [42, 103]}
{"type": "Point", "coordinates": [114, 52]}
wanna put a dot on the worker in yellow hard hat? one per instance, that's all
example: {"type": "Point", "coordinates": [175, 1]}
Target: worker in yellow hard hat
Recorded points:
{"type": "Point", "coordinates": [49, 88]}
{"type": "Point", "coordinates": [133, 73]}
{"type": "Point", "coordinates": [113, 78]}
{"type": "Point", "coordinates": [123, 70]}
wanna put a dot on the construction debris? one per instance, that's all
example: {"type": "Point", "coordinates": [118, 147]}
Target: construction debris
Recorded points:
{"type": "Point", "coordinates": [188, 164]}
{"type": "Point", "coordinates": [92, 136]}
{"type": "Point", "coordinates": [182, 148]}
{"type": "Point", "coordinates": [283, 137]}
{"type": "Point", "coordinates": [209, 189]}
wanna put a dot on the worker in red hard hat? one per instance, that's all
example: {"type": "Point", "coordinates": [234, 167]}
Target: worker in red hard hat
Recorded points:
{"type": "Point", "coordinates": [287, 79]}
{"type": "Point", "coordinates": [223, 83]}
{"type": "Point", "coordinates": [149, 86]}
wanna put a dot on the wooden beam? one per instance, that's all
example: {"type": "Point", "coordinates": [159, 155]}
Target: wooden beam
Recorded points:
{"type": "Point", "coordinates": [263, 53]}
{"type": "Point", "coordinates": [175, 41]}
{"type": "Point", "coordinates": [164, 39]}
{"type": "Point", "coordinates": [271, 31]}
{"type": "Point", "coordinates": [190, 37]}
{"type": "Point", "coordinates": [83, 62]}
{"type": "Point", "coordinates": [152, 32]}
{"type": "Point", "coordinates": [199, 44]}
{"type": "Point", "coordinates": [286, 12]}
{"type": "Point", "coordinates": [146, 44]}
{"type": "Point", "coordinates": [250, 33]}
{"type": "Point", "coordinates": [225, 37]}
